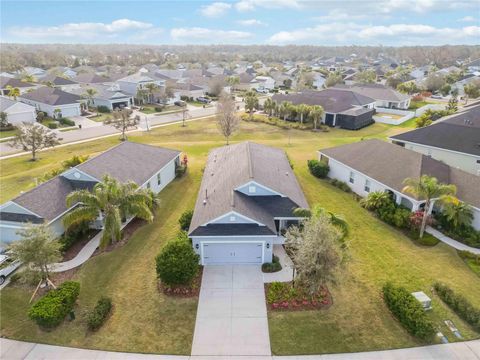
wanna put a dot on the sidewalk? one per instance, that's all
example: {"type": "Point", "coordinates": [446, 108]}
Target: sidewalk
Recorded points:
{"type": "Point", "coordinates": [284, 275]}
{"type": "Point", "coordinates": [449, 241]}
{"type": "Point", "coordinates": [83, 255]}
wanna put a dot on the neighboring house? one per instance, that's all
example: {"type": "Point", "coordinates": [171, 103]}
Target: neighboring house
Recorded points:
{"type": "Point", "coordinates": [344, 108]}
{"type": "Point", "coordinates": [49, 100]}
{"type": "Point", "coordinates": [189, 90]}
{"type": "Point", "coordinates": [375, 165]}
{"type": "Point", "coordinates": [385, 96]}
{"type": "Point", "coordinates": [106, 95]}
{"type": "Point", "coordinates": [91, 78]}
{"type": "Point", "coordinates": [420, 72]}
{"type": "Point", "coordinates": [60, 82]}
{"type": "Point", "coordinates": [466, 79]}
{"type": "Point", "coordinates": [133, 83]}
{"type": "Point", "coordinates": [473, 65]}
{"type": "Point", "coordinates": [34, 71]}
{"type": "Point", "coordinates": [17, 112]}
{"type": "Point", "coordinates": [318, 80]}
{"type": "Point", "coordinates": [148, 166]}
{"type": "Point", "coordinates": [246, 201]}
{"type": "Point", "coordinates": [23, 86]}
{"type": "Point", "coordinates": [455, 140]}
{"type": "Point", "coordinates": [62, 71]}
{"type": "Point", "coordinates": [263, 83]}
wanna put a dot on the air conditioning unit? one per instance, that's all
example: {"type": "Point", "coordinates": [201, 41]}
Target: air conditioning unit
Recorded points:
{"type": "Point", "coordinates": [423, 299]}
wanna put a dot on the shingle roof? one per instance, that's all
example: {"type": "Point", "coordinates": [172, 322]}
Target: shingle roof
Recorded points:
{"type": "Point", "coordinates": [377, 159]}
{"type": "Point", "coordinates": [51, 96]}
{"type": "Point", "coordinates": [459, 132]}
{"type": "Point", "coordinates": [91, 78]}
{"type": "Point", "coordinates": [6, 103]}
{"type": "Point", "coordinates": [232, 166]}
{"type": "Point", "coordinates": [231, 230]}
{"type": "Point", "coordinates": [332, 100]}
{"type": "Point", "coordinates": [16, 83]}
{"type": "Point", "coordinates": [58, 80]}
{"type": "Point", "coordinates": [377, 92]}
{"type": "Point", "coordinates": [104, 92]}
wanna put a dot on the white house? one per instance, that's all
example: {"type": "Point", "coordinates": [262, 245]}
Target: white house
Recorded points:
{"type": "Point", "coordinates": [246, 201]}
{"type": "Point", "coordinates": [17, 112]}
{"type": "Point", "coordinates": [318, 80]}
{"type": "Point", "coordinates": [60, 82]}
{"type": "Point", "coordinates": [148, 166]}
{"type": "Point", "coordinates": [132, 83]}
{"type": "Point", "coordinates": [375, 165]}
{"type": "Point", "coordinates": [262, 83]}
{"type": "Point", "coordinates": [22, 86]}
{"type": "Point", "coordinates": [55, 102]}
{"type": "Point", "coordinates": [109, 96]}
{"type": "Point", "coordinates": [385, 96]}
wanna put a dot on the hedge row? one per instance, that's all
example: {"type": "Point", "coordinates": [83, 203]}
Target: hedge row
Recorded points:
{"type": "Point", "coordinates": [99, 314]}
{"type": "Point", "coordinates": [408, 311]}
{"type": "Point", "coordinates": [51, 309]}
{"type": "Point", "coordinates": [459, 304]}
{"type": "Point", "coordinates": [318, 169]}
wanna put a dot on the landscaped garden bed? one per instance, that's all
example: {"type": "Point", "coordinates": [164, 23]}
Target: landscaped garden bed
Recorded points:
{"type": "Point", "coordinates": [186, 291]}
{"type": "Point", "coordinates": [284, 296]}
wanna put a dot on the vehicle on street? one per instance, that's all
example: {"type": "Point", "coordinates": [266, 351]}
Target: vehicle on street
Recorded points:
{"type": "Point", "coordinates": [7, 267]}
{"type": "Point", "coordinates": [204, 100]}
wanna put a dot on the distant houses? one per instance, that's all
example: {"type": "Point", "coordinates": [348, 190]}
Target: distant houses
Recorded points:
{"type": "Point", "coordinates": [17, 112]}
{"type": "Point", "coordinates": [55, 102]}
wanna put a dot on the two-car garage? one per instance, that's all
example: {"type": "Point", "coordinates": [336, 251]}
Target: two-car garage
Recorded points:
{"type": "Point", "coordinates": [250, 252]}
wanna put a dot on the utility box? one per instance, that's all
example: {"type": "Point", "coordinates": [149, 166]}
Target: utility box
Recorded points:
{"type": "Point", "coordinates": [423, 299]}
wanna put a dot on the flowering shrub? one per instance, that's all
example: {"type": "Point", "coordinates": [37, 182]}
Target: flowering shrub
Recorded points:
{"type": "Point", "coordinates": [416, 219]}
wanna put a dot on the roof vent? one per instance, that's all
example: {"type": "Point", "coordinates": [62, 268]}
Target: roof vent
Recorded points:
{"type": "Point", "coordinates": [286, 173]}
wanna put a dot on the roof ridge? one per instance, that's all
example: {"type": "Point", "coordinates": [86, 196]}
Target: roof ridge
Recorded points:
{"type": "Point", "coordinates": [249, 159]}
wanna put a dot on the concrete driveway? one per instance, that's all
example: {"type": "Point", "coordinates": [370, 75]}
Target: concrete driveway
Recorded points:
{"type": "Point", "coordinates": [231, 315]}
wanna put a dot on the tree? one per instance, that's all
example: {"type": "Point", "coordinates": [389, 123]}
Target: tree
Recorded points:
{"type": "Point", "coordinates": [215, 86]}
{"type": "Point", "coordinates": [3, 119]}
{"type": "Point", "coordinates": [317, 251]}
{"type": "Point", "coordinates": [37, 249]}
{"type": "Point", "coordinates": [232, 81]}
{"type": "Point", "coordinates": [445, 89]}
{"type": "Point", "coordinates": [227, 118]}
{"type": "Point", "coordinates": [251, 102]}
{"type": "Point", "coordinates": [122, 120]}
{"type": "Point", "coordinates": [285, 109]}
{"type": "Point", "coordinates": [471, 90]}
{"type": "Point", "coordinates": [333, 79]}
{"type": "Point", "coordinates": [452, 105]}
{"type": "Point", "coordinates": [141, 95]}
{"type": "Point", "coordinates": [408, 87]}
{"type": "Point", "coordinates": [423, 120]}
{"type": "Point", "coordinates": [429, 189]}
{"type": "Point", "coordinates": [316, 113]}
{"type": "Point", "coordinates": [13, 92]}
{"type": "Point", "coordinates": [185, 115]}
{"type": "Point", "coordinates": [269, 106]}
{"type": "Point", "coordinates": [151, 88]}
{"type": "Point", "coordinates": [305, 80]}
{"type": "Point", "coordinates": [114, 201]}
{"type": "Point", "coordinates": [434, 82]}
{"type": "Point", "coordinates": [166, 94]}
{"type": "Point", "coordinates": [458, 213]}
{"type": "Point", "coordinates": [366, 76]}
{"type": "Point", "coordinates": [177, 263]}
{"type": "Point", "coordinates": [28, 78]}
{"type": "Point", "coordinates": [89, 95]}
{"type": "Point", "coordinates": [303, 110]}
{"type": "Point", "coordinates": [33, 138]}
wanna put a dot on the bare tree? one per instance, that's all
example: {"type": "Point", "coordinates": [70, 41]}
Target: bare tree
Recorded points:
{"type": "Point", "coordinates": [33, 138]}
{"type": "Point", "coordinates": [216, 85]}
{"type": "Point", "coordinates": [227, 118]}
{"type": "Point", "coordinates": [122, 120]}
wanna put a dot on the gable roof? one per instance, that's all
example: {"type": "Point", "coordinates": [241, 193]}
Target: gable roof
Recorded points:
{"type": "Point", "coordinates": [230, 167]}
{"type": "Point", "coordinates": [459, 132]}
{"type": "Point", "coordinates": [104, 92]}
{"type": "Point", "coordinates": [377, 92]}
{"type": "Point", "coordinates": [51, 96]}
{"type": "Point", "coordinates": [332, 100]}
{"type": "Point", "coordinates": [6, 103]}
{"type": "Point", "coordinates": [16, 83]}
{"type": "Point", "coordinates": [377, 159]}
{"type": "Point", "coordinates": [136, 78]}
{"type": "Point", "coordinates": [58, 80]}
{"type": "Point", "coordinates": [91, 78]}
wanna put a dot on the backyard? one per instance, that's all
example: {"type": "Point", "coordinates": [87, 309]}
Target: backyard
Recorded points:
{"type": "Point", "coordinates": [146, 321]}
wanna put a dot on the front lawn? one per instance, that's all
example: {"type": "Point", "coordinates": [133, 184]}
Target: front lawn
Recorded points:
{"type": "Point", "coordinates": [146, 321]}
{"type": "Point", "coordinates": [7, 133]}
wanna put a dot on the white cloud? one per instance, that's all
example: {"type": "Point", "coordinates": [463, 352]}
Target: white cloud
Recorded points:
{"type": "Point", "coordinates": [395, 34]}
{"type": "Point", "coordinates": [215, 9]}
{"type": "Point", "coordinates": [208, 36]}
{"type": "Point", "coordinates": [83, 31]}
{"type": "Point", "coordinates": [248, 5]}
{"type": "Point", "coordinates": [467, 19]}
{"type": "Point", "coordinates": [251, 22]}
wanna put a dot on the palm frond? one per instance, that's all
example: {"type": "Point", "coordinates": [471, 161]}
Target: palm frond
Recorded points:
{"type": "Point", "coordinates": [79, 215]}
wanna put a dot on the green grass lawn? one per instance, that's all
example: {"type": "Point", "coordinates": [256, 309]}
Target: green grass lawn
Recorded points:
{"type": "Point", "coordinates": [100, 117]}
{"type": "Point", "coordinates": [147, 321]}
{"type": "Point", "coordinates": [7, 133]}
{"type": "Point", "coordinates": [414, 105]}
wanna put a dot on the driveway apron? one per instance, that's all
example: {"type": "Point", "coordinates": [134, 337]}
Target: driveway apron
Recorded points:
{"type": "Point", "coordinates": [231, 315]}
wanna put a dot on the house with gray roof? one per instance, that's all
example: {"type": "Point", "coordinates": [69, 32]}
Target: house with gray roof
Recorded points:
{"type": "Point", "coordinates": [7, 82]}
{"type": "Point", "coordinates": [62, 83]}
{"type": "Point", "coordinates": [150, 167]}
{"type": "Point", "coordinates": [55, 102]}
{"type": "Point", "coordinates": [109, 96]}
{"type": "Point", "coordinates": [455, 140]}
{"type": "Point", "coordinates": [344, 108]}
{"type": "Point", "coordinates": [91, 78]}
{"type": "Point", "coordinates": [17, 112]}
{"type": "Point", "coordinates": [375, 165]}
{"type": "Point", "coordinates": [384, 96]}
{"type": "Point", "coordinates": [246, 200]}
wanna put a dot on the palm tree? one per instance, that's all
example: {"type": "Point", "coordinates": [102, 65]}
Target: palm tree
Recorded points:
{"type": "Point", "coordinates": [269, 106]}
{"type": "Point", "coordinates": [251, 102]}
{"type": "Point", "coordinates": [28, 78]}
{"type": "Point", "coordinates": [285, 109]}
{"type": "Point", "coordinates": [316, 112]}
{"type": "Point", "coordinates": [303, 110]}
{"type": "Point", "coordinates": [151, 88]}
{"type": "Point", "coordinates": [90, 94]}
{"type": "Point", "coordinates": [113, 201]}
{"type": "Point", "coordinates": [429, 189]}
{"type": "Point", "coordinates": [458, 213]}
{"type": "Point", "coordinates": [13, 91]}
{"type": "Point", "coordinates": [375, 200]}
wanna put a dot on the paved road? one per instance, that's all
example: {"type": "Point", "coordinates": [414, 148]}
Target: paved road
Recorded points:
{"type": "Point", "coordinates": [231, 314]}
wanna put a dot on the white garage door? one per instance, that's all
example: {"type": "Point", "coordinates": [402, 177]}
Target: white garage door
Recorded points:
{"type": "Point", "coordinates": [232, 253]}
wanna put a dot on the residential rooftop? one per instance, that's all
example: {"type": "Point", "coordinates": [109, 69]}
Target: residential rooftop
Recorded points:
{"type": "Point", "coordinates": [51, 96]}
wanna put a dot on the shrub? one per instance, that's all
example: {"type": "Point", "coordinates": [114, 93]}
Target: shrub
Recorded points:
{"type": "Point", "coordinates": [51, 309]}
{"type": "Point", "coordinates": [52, 125]}
{"type": "Point", "coordinates": [103, 109]}
{"type": "Point", "coordinates": [318, 169]}
{"type": "Point", "coordinates": [341, 185]}
{"type": "Point", "coordinates": [177, 263]}
{"type": "Point", "coordinates": [185, 220]}
{"type": "Point", "coordinates": [274, 266]}
{"type": "Point", "coordinates": [180, 171]}
{"type": "Point", "coordinates": [99, 314]}
{"type": "Point", "coordinates": [66, 121]}
{"type": "Point", "coordinates": [459, 304]}
{"type": "Point", "coordinates": [408, 311]}
{"type": "Point", "coordinates": [158, 108]}
{"type": "Point", "coordinates": [279, 291]}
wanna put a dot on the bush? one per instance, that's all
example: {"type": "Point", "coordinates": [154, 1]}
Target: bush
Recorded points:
{"type": "Point", "coordinates": [177, 263]}
{"type": "Point", "coordinates": [66, 121]}
{"type": "Point", "coordinates": [103, 109]}
{"type": "Point", "coordinates": [99, 314]}
{"type": "Point", "coordinates": [341, 185]}
{"type": "Point", "coordinates": [73, 234]}
{"type": "Point", "coordinates": [185, 220]}
{"type": "Point", "coordinates": [459, 304]}
{"type": "Point", "coordinates": [274, 266]}
{"type": "Point", "coordinates": [318, 169]}
{"type": "Point", "coordinates": [180, 171]}
{"type": "Point", "coordinates": [279, 291]}
{"type": "Point", "coordinates": [408, 311]}
{"type": "Point", "coordinates": [51, 309]}
{"type": "Point", "coordinates": [52, 125]}
{"type": "Point", "coordinates": [158, 108]}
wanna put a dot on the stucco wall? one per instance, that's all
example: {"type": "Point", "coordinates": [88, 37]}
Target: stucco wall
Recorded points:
{"type": "Point", "coordinates": [167, 174]}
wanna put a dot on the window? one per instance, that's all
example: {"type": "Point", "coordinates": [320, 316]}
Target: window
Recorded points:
{"type": "Point", "coordinates": [252, 189]}
{"type": "Point", "coordinates": [367, 186]}
{"type": "Point", "coordinates": [232, 218]}
{"type": "Point", "coordinates": [352, 177]}
{"type": "Point", "coordinates": [148, 185]}
{"type": "Point", "coordinates": [159, 179]}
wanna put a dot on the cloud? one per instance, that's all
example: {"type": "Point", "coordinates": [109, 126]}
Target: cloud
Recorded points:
{"type": "Point", "coordinates": [251, 22]}
{"type": "Point", "coordinates": [208, 36]}
{"type": "Point", "coordinates": [249, 5]}
{"type": "Point", "coordinates": [83, 31]}
{"type": "Point", "coordinates": [215, 9]}
{"type": "Point", "coordinates": [467, 19]}
{"type": "Point", "coordinates": [359, 34]}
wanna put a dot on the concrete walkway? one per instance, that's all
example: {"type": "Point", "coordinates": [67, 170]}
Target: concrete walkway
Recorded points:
{"type": "Point", "coordinates": [284, 275]}
{"type": "Point", "coordinates": [18, 350]}
{"type": "Point", "coordinates": [82, 256]}
{"type": "Point", "coordinates": [231, 314]}
{"type": "Point", "coordinates": [449, 241]}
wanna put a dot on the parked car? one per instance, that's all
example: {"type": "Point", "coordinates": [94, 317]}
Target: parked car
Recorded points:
{"type": "Point", "coordinates": [204, 100]}
{"type": "Point", "coordinates": [180, 103]}
{"type": "Point", "coordinates": [7, 267]}
{"type": "Point", "coordinates": [262, 91]}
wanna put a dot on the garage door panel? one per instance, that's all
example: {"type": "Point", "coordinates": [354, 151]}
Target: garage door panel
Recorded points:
{"type": "Point", "coordinates": [232, 253]}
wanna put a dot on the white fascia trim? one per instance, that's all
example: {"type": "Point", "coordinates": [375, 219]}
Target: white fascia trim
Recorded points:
{"type": "Point", "coordinates": [368, 177]}
{"type": "Point", "coordinates": [433, 147]}
{"type": "Point", "coordinates": [2, 225]}
{"type": "Point", "coordinates": [259, 185]}
{"type": "Point", "coordinates": [289, 218]}
{"type": "Point", "coordinates": [233, 237]}
{"type": "Point", "coordinates": [20, 206]}
{"type": "Point", "coordinates": [233, 213]}
{"type": "Point", "coordinates": [63, 213]}
{"type": "Point", "coordinates": [150, 178]}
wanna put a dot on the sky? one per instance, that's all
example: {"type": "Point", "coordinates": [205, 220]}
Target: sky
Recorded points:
{"type": "Point", "coordinates": [275, 22]}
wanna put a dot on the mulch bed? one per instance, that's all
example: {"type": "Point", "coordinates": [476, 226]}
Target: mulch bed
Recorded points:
{"type": "Point", "coordinates": [192, 290]}
{"type": "Point", "coordinates": [73, 251]}
{"type": "Point", "coordinates": [127, 233]}
{"type": "Point", "coordinates": [323, 300]}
